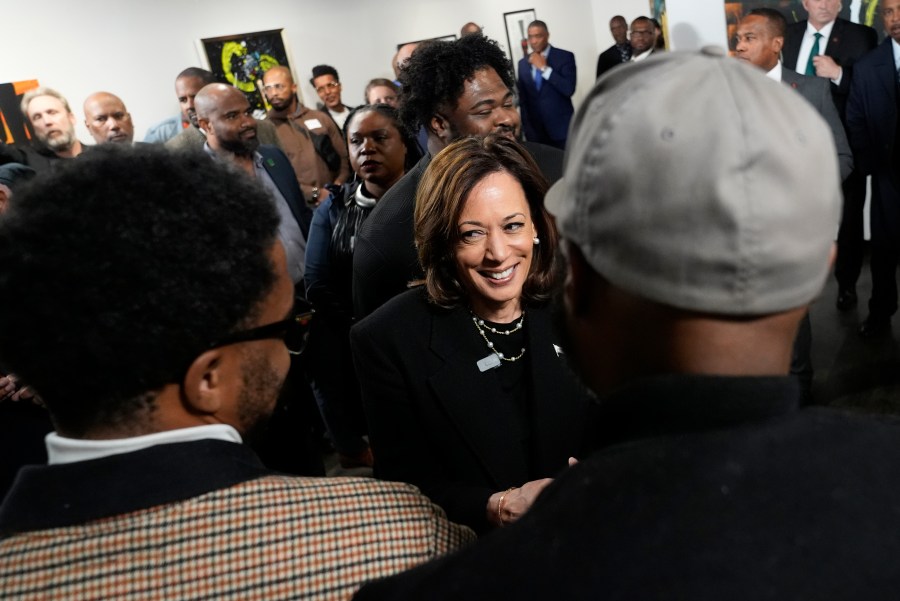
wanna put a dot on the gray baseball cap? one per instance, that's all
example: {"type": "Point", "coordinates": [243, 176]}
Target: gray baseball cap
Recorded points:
{"type": "Point", "coordinates": [693, 180]}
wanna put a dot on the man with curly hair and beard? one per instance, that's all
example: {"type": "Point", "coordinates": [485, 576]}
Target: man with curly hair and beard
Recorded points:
{"type": "Point", "coordinates": [145, 296]}
{"type": "Point", "coordinates": [453, 90]}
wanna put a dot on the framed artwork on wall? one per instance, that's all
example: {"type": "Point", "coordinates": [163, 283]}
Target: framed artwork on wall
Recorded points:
{"type": "Point", "coordinates": [242, 59]}
{"type": "Point", "coordinates": [658, 12]}
{"type": "Point", "coordinates": [13, 126]}
{"type": "Point", "coordinates": [517, 33]}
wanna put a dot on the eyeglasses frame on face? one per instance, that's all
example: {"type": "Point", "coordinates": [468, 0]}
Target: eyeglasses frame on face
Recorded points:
{"type": "Point", "coordinates": [648, 32]}
{"type": "Point", "coordinates": [295, 327]}
{"type": "Point", "coordinates": [275, 86]}
{"type": "Point", "coordinates": [325, 86]}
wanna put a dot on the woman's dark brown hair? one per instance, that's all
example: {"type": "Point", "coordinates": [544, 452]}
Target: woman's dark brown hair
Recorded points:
{"type": "Point", "coordinates": [440, 200]}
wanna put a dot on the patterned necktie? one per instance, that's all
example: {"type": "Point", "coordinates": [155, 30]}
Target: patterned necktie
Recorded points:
{"type": "Point", "coordinates": [810, 66]}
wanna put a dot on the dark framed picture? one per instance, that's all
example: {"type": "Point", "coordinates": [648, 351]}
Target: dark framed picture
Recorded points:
{"type": "Point", "coordinates": [517, 33]}
{"type": "Point", "coordinates": [242, 59]}
{"type": "Point", "coordinates": [444, 38]}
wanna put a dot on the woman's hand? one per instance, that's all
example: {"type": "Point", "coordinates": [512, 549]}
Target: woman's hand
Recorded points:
{"type": "Point", "coordinates": [507, 506]}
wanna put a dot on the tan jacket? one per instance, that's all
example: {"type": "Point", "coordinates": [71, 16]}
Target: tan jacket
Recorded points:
{"type": "Point", "coordinates": [293, 133]}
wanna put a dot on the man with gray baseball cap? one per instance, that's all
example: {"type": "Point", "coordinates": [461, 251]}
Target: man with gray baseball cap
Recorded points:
{"type": "Point", "coordinates": [687, 274]}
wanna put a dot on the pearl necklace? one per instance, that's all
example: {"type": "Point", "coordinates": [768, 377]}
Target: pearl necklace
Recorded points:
{"type": "Point", "coordinates": [481, 327]}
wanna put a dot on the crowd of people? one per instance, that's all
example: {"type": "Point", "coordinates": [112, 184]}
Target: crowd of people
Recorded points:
{"type": "Point", "coordinates": [573, 374]}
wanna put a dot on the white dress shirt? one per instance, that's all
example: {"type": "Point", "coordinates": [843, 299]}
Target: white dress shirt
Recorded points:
{"type": "Point", "coordinates": [809, 38]}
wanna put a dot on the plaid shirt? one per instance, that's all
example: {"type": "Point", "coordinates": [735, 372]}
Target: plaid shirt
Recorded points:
{"type": "Point", "coordinates": [274, 537]}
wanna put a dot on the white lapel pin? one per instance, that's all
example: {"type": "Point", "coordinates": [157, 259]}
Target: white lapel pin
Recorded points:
{"type": "Point", "coordinates": [558, 349]}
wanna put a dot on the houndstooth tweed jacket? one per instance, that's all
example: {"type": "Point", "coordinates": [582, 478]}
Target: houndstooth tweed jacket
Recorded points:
{"type": "Point", "coordinates": [205, 520]}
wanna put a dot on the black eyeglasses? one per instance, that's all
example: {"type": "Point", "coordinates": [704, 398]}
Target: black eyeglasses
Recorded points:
{"type": "Point", "coordinates": [294, 331]}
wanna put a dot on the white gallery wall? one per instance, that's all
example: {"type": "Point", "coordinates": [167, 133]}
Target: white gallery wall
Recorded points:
{"type": "Point", "coordinates": [134, 49]}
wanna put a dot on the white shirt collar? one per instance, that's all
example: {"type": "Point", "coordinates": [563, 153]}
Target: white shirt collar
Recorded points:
{"type": "Point", "coordinates": [775, 72]}
{"type": "Point", "coordinates": [68, 450]}
{"type": "Point", "coordinates": [896, 47]}
{"type": "Point", "coordinates": [825, 31]}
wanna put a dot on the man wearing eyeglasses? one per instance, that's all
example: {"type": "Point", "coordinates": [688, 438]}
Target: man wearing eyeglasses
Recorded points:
{"type": "Point", "coordinates": [158, 282]}
{"type": "Point", "coordinates": [642, 38]}
{"type": "Point", "coordinates": [328, 86]}
{"type": "Point", "coordinates": [310, 139]}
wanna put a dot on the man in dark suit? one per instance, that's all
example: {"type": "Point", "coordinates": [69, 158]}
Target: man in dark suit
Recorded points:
{"type": "Point", "coordinates": [838, 44]}
{"type": "Point", "coordinates": [475, 98]}
{"type": "Point", "coordinates": [618, 53]}
{"type": "Point", "coordinates": [681, 301]}
{"type": "Point", "coordinates": [760, 37]}
{"type": "Point", "coordinates": [547, 79]}
{"type": "Point", "coordinates": [225, 116]}
{"type": "Point", "coordinates": [874, 127]}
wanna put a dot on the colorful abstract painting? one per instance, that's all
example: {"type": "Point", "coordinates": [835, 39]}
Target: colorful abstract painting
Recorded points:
{"type": "Point", "coordinates": [242, 59]}
{"type": "Point", "coordinates": [13, 126]}
{"type": "Point", "coordinates": [658, 12]}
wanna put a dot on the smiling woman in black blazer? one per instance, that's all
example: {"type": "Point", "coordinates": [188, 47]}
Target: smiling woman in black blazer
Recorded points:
{"type": "Point", "coordinates": [464, 384]}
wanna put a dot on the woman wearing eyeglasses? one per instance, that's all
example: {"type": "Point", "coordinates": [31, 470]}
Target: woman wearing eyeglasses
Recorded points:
{"type": "Point", "coordinates": [380, 152]}
{"type": "Point", "coordinates": [463, 382]}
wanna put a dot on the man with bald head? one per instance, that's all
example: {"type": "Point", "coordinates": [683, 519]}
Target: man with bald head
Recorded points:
{"type": "Point", "coordinates": [620, 51]}
{"type": "Point", "coordinates": [53, 124]}
{"type": "Point", "coordinates": [188, 84]}
{"type": "Point", "coordinates": [107, 119]}
{"type": "Point", "coordinates": [309, 138]}
{"type": "Point", "coordinates": [224, 113]}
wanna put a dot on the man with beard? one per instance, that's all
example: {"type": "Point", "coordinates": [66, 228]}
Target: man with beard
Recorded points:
{"type": "Point", "coordinates": [452, 89]}
{"type": "Point", "coordinates": [177, 300]}
{"type": "Point", "coordinates": [53, 123]}
{"type": "Point", "coordinates": [310, 138]}
{"type": "Point", "coordinates": [187, 85]}
{"type": "Point", "coordinates": [642, 38]}
{"type": "Point", "coordinates": [681, 301]}
{"type": "Point", "coordinates": [107, 119]}
{"type": "Point", "coordinates": [224, 113]}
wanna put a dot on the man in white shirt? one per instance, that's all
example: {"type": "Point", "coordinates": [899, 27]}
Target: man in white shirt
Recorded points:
{"type": "Point", "coordinates": [642, 37]}
{"type": "Point", "coordinates": [826, 46]}
{"type": "Point", "coordinates": [327, 84]}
